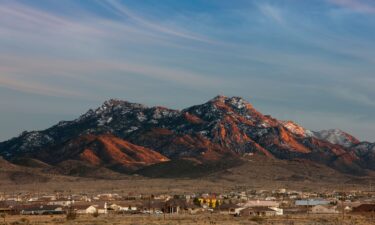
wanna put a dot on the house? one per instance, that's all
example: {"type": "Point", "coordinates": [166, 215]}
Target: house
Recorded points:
{"type": "Point", "coordinates": [311, 202]}
{"type": "Point", "coordinates": [257, 211]}
{"type": "Point", "coordinates": [41, 210]}
{"type": "Point", "coordinates": [125, 207]}
{"type": "Point", "coordinates": [279, 211]}
{"type": "Point", "coordinates": [260, 203]}
{"type": "Point", "coordinates": [209, 202]}
{"type": "Point", "coordinates": [62, 201]}
{"type": "Point", "coordinates": [228, 208]}
{"type": "Point", "coordinates": [9, 207]}
{"type": "Point", "coordinates": [364, 208]}
{"type": "Point", "coordinates": [152, 206]}
{"type": "Point", "coordinates": [90, 208]}
{"type": "Point", "coordinates": [5, 208]}
{"type": "Point", "coordinates": [171, 206]}
{"type": "Point", "coordinates": [324, 209]}
{"type": "Point", "coordinates": [85, 209]}
{"type": "Point", "coordinates": [175, 206]}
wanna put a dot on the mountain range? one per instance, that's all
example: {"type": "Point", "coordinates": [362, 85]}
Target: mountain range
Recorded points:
{"type": "Point", "coordinates": [131, 138]}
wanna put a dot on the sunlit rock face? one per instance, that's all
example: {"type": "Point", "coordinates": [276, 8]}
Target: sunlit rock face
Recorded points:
{"type": "Point", "coordinates": [336, 136]}
{"type": "Point", "coordinates": [132, 136]}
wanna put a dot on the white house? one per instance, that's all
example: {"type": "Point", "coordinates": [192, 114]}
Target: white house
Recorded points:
{"type": "Point", "coordinates": [260, 203]}
{"type": "Point", "coordinates": [279, 212]}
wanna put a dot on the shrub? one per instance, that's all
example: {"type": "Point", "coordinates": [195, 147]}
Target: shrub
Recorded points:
{"type": "Point", "coordinates": [71, 215]}
{"type": "Point", "coordinates": [22, 221]}
{"type": "Point", "coordinates": [25, 221]}
{"type": "Point", "coordinates": [257, 219]}
{"type": "Point", "coordinates": [95, 214]}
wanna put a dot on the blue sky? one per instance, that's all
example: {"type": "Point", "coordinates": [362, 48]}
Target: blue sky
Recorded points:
{"type": "Point", "coordinates": [308, 61]}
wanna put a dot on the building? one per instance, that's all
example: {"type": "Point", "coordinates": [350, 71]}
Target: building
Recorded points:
{"type": "Point", "coordinates": [260, 203]}
{"type": "Point", "coordinates": [5, 208]}
{"type": "Point", "coordinates": [311, 202]}
{"type": "Point", "coordinates": [179, 206]}
{"type": "Point", "coordinates": [85, 209]}
{"type": "Point", "coordinates": [41, 210]}
{"type": "Point", "coordinates": [152, 206]}
{"type": "Point", "coordinates": [209, 202]}
{"type": "Point", "coordinates": [257, 211]}
{"type": "Point", "coordinates": [228, 208]}
{"type": "Point", "coordinates": [364, 208]}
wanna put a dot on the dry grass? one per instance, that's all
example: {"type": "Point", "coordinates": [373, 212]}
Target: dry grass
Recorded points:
{"type": "Point", "coordinates": [206, 219]}
{"type": "Point", "coordinates": [255, 174]}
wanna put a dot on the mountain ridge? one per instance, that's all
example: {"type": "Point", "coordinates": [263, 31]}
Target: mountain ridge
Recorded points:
{"type": "Point", "coordinates": [220, 129]}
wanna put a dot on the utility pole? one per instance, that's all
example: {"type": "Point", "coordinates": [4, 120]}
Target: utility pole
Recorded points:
{"type": "Point", "coordinates": [342, 202]}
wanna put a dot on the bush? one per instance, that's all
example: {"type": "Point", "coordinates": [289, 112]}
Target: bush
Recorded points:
{"type": "Point", "coordinates": [71, 215]}
{"type": "Point", "coordinates": [22, 221]}
{"type": "Point", "coordinates": [257, 219]}
{"type": "Point", "coordinates": [95, 214]}
{"type": "Point", "coordinates": [25, 221]}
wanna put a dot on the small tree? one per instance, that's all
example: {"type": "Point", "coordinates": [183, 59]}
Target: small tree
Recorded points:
{"type": "Point", "coordinates": [25, 221]}
{"type": "Point", "coordinates": [217, 204]}
{"type": "Point", "coordinates": [196, 202]}
{"type": "Point", "coordinates": [95, 214]}
{"type": "Point", "coordinates": [211, 204]}
{"type": "Point", "coordinates": [176, 196]}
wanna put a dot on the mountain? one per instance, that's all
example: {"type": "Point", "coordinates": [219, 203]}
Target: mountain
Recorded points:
{"type": "Point", "coordinates": [100, 150]}
{"type": "Point", "coordinates": [336, 136]}
{"type": "Point", "coordinates": [130, 137]}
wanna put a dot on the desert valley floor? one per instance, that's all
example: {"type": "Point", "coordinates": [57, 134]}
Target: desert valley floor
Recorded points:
{"type": "Point", "coordinates": [256, 173]}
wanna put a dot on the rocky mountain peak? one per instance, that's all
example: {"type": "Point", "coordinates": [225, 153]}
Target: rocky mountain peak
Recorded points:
{"type": "Point", "coordinates": [220, 127]}
{"type": "Point", "coordinates": [115, 104]}
{"type": "Point", "coordinates": [337, 136]}
{"type": "Point", "coordinates": [235, 101]}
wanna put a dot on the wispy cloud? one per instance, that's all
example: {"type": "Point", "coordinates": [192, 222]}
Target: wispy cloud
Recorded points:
{"type": "Point", "coordinates": [45, 65]}
{"type": "Point", "coordinates": [122, 10]}
{"type": "Point", "coordinates": [288, 53]}
{"type": "Point", "coordinates": [272, 12]}
{"type": "Point", "coordinates": [353, 96]}
{"type": "Point", "coordinates": [38, 88]}
{"type": "Point", "coordinates": [58, 46]}
{"type": "Point", "coordinates": [356, 5]}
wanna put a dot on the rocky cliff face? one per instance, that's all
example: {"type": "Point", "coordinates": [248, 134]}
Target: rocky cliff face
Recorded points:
{"type": "Point", "coordinates": [133, 136]}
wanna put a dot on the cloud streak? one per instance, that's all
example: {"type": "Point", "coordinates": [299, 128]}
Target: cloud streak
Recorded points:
{"type": "Point", "coordinates": [272, 12]}
{"type": "Point", "coordinates": [57, 46]}
{"type": "Point", "coordinates": [127, 13]}
{"type": "Point", "coordinates": [356, 5]}
{"type": "Point", "coordinates": [286, 55]}
{"type": "Point", "coordinates": [37, 88]}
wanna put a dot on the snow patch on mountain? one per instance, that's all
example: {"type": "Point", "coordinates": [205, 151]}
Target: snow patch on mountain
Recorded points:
{"type": "Point", "coordinates": [296, 129]}
{"type": "Point", "coordinates": [336, 136]}
{"type": "Point", "coordinates": [238, 102]}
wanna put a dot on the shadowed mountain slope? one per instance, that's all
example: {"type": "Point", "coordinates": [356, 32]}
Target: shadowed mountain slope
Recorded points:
{"type": "Point", "coordinates": [124, 136]}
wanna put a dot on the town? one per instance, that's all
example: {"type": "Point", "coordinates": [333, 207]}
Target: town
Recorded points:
{"type": "Point", "coordinates": [255, 205]}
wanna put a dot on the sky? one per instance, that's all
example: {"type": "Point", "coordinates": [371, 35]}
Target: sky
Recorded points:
{"type": "Point", "coordinates": [312, 62]}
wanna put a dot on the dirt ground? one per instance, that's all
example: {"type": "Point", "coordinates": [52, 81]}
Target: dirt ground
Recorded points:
{"type": "Point", "coordinates": [204, 219]}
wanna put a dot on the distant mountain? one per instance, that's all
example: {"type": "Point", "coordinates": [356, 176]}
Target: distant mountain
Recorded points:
{"type": "Point", "coordinates": [129, 137]}
{"type": "Point", "coordinates": [336, 136]}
